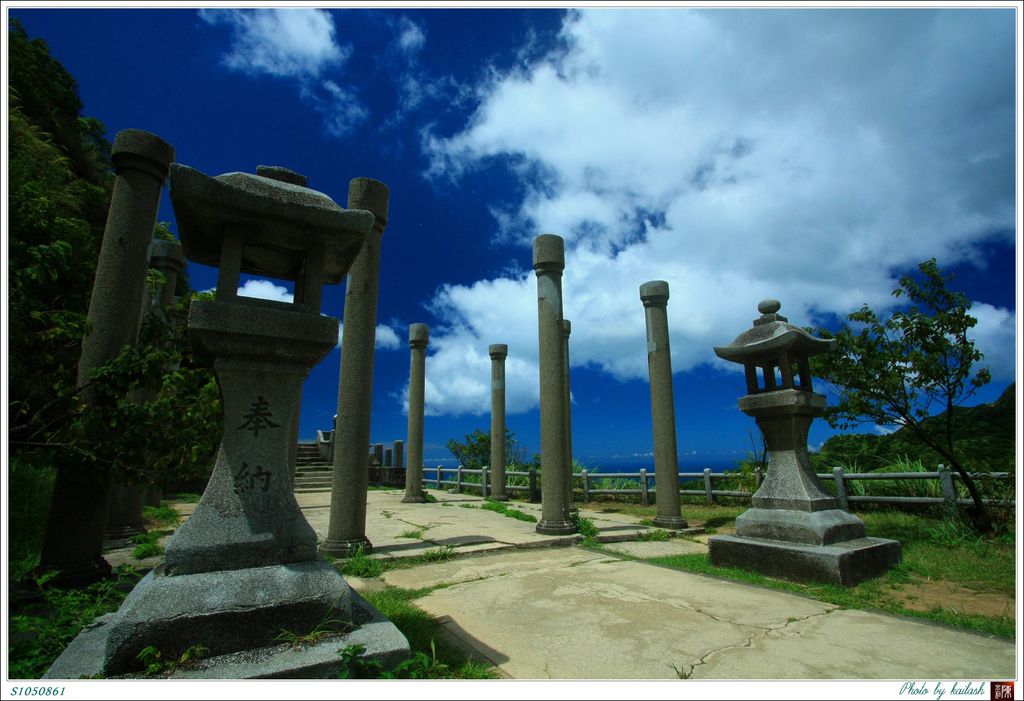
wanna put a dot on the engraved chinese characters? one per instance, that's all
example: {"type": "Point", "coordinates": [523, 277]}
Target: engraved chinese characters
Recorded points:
{"type": "Point", "coordinates": [258, 417]}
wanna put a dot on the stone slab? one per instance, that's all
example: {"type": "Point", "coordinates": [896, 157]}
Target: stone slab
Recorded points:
{"type": "Point", "coordinates": [847, 563]}
{"type": "Point", "coordinates": [667, 548]}
{"type": "Point", "coordinates": [851, 644]}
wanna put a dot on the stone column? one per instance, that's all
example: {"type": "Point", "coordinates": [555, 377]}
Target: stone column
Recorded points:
{"type": "Point", "coordinates": [378, 453]}
{"type": "Point", "coordinates": [398, 451]}
{"type": "Point", "coordinates": [387, 457]}
{"type": "Point", "coordinates": [74, 532]}
{"type": "Point", "coordinates": [346, 529]}
{"type": "Point", "coordinates": [419, 336]}
{"type": "Point", "coordinates": [654, 295]}
{"type": "Point", "coordinates": [498, 353]}
{"type": "Point", "coordinates": [548, 263]}
{"type": "Point", "coordinates": [567, 428]}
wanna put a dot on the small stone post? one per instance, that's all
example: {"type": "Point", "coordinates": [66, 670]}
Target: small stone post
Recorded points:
{"type": "Point", "coordinates": [387, 457]}
{"type": "Point", "coordinates": [74, 531]}
{"type": "Point", "coordinates": [398, 451]}
{"type": "Point", "coordinates": [419, 337]}
{"type": "Point", "coordinates": [346, 530]}
{"type": "Point", "coordinates": [654, 295]}
{"type": "Point", "coordinates": [567, 427]}
{"type": "Point", "coordinates": [842, 499]}
{"type": "Point", "coordinates": [548, 263]}
{"type": "Point", "coordinates": [498, 353]}
{"type": "Point", "coordinates": [378, 453]}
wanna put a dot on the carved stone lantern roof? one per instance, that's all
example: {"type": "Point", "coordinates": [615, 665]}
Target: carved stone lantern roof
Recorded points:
{"type": "Point", "coordinates": [774, 342]}
{"type": "Point", "coordinates": [281, 221]}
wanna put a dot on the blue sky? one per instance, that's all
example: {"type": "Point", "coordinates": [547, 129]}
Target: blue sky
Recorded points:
{"type": "Point", "coordinates": [808, 155]}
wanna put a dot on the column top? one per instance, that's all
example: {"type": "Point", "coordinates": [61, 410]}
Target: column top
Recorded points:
{"type": "Point", "coordinates": [548, 253]}
{"type": "Point", "coordinates": [419, 335]}
{"type": "Point", "coordinates": [498, 350]}
{"type": "Point", "coordinates": [166, 255]}
{"type": "Point", "coordinates": [367, 193]}
{"type": "Point", "coordinates": [654, 292]}
{"type": "Point", "coordinates": [135, 148]}
{"type": "Point", "coordinates": [566, 327]}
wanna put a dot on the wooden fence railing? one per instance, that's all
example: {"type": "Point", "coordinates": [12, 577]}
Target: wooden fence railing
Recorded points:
{"type": "Point", "coordinates": [587, 484]}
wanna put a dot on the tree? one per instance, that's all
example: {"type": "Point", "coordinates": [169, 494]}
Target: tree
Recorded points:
{"type": "Point", "coordinates": [902, 369]}
{"type": "Point", "coordinates": [59, 188]}
{"type": "Point", "coordinates": [475, 449]}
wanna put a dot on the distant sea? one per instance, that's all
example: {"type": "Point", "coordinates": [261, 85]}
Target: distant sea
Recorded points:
{"type": "Point", "coordinates": [688, 464]}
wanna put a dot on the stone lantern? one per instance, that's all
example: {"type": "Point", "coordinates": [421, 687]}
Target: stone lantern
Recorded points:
{"type": "Point", "coordinates": [245, 565]}
{"type": "Point", "coordinates": [794, 529]}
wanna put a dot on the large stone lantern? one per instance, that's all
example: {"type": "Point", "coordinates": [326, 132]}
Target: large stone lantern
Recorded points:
{"type": "Point", "coordinates": [794, 529]}
{"type": "Point", "coordinates": [245, 565]}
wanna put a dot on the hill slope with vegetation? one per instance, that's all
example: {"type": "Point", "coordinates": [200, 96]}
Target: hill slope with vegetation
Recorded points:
{"type": "Point", "coordinates": [985, 434]}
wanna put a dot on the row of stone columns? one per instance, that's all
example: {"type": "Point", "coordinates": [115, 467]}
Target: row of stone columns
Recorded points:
{"type": "Point", "coordinates": [388, 457]}
{"type": "Point", "coordinates": [73, 543]}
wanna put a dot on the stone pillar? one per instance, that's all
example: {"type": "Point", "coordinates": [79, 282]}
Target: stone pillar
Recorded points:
{"type": "Point", "coordinates": [74, 532]}
{"type": "Point", "coordinates": [548, 263]}
{"type": "Point", "coordinates": [498, 353]}
{"type": "Point", "coordinates": [387, 457]}
{"type": "Point", "coordinates": [346, 530]}
{"type": "Point", "coordinates": [378, 453]}
{"type": "Point", "coordinates": [419, 336]}
{"type": "Point", "coordinates": [398, 451]}
{"type": "Point", "coordinates": [654, 295]}
{"type": "Point", "coordinates": [567, 427]}
{"type": "Point", "coordinates": [124, 513]}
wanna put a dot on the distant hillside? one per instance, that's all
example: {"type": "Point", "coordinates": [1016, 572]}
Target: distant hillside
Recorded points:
{"type": "Point", "coordinates": [985, 438]}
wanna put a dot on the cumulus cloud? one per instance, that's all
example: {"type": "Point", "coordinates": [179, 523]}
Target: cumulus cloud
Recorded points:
{"type": "Point", "coordinates": [385, 338]}
{"type": "Point", "coordinates": [810, 156]}
{"type": "Point", "coordinates": [299, 44]}
{"type": "Point", "coordinates": [265, 289]}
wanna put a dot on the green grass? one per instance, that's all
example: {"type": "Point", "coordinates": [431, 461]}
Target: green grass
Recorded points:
{"type": "Point", "coordinates": [161, 516]}
{"type": "Point", "coordinates": [360, 565]}
{"type": "Point", "coordinates": [41, 631]}
{"type": "Point", "coordinates": [656, 535]}
{"type": "Point", "coordinates": [505, 510]}
{"type": "Point", "coordinates": [415, 534]}
{"type": "Point", "coordinates": [930, 553]}
{"type": "Point", "coordinates": [425, 635]}
{"type": "Point", "coordinates": [185, 497]}
{"type": "Point", "coordinates": [146, 544]}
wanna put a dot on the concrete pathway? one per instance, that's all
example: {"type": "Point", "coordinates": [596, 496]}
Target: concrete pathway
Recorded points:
{"type": "Point", "coordinates": [567, 612]}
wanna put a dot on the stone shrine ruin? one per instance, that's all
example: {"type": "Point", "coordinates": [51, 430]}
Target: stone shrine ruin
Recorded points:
{"type": "Point", "coordinates": [245, 565]}
{"type": "Point", "coordinates": [794, 530]}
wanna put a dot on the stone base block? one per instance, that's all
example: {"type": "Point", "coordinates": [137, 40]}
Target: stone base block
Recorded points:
{"type": "Point", "coordinates": [386, 477]}
{"type": "Point", "coordinates": [788, 525]}
{"type": "Point", "coordinates": [346, 548]}
{"type": "Point", "coordinates": [847, 563]}
{"type": "Point", "coordinates": [225, 611]}
{"type": "Point", "coordinates": [545, 527]}
{"type": "Point", "coordinates": [383, 642]}
{"type": "Point", "coordinates": [672, 523]}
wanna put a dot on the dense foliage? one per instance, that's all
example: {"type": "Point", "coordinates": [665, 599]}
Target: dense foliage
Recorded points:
{"type": "Point", "coordinates": [902, 369]}
{"type": "Point", "coordinates": [474, 451]}
{"type": "Point", "coordinates": [154, 411]}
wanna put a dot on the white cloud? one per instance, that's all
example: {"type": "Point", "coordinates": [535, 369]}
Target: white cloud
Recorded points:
{"type": "Point", "coordinates": [385, 338]}
{"type": "Point", "coordinates": [995, 336]}
{"type": "Point", "coordinates": [297, 43]}
{"type": "Point", "coordinates": [411, 37]}
{"type": "Point", "coordinates": [265, 289]}
{"type": "Point", "coordinates": [804, 155]}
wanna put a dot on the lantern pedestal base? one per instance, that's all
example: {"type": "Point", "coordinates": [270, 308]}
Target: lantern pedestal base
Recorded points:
{"type": "Point", "coordinates": [846, 563]}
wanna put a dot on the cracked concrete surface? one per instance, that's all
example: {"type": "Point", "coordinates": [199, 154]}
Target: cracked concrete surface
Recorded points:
{"type": "Point", "coordinates": [570, 613]}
